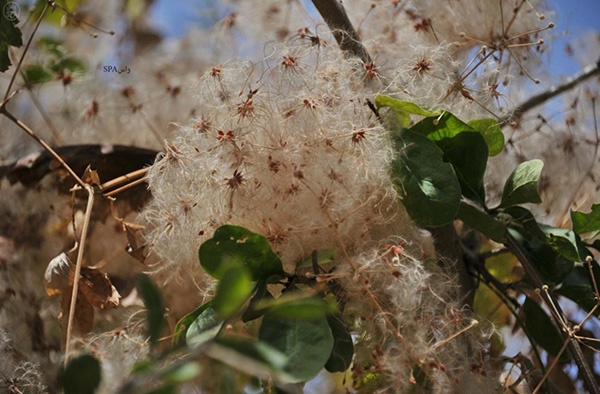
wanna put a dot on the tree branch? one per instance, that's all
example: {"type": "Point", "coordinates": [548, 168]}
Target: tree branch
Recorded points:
{"type": "Point", "coordinates": [335, 16]}
{"type": "Point", "coordinates": [556, 312]}
{"type": "Point", "coordinates": [587, 72]}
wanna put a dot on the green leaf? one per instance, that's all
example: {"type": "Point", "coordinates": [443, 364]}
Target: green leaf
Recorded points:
{"type": "Point", "coordinates": [522, 219]}
{"type": "Point", "coordinates": [586, 222]}
{"type": "Point", "coordinates": [297, 306]}
{"type": "Point", "coordinates": [578, 287]}
{"type": "Point", "coordinates": [232, 245]}
{"type": "Point", "coordinates": [482, 222]}
{"type": "Point", "coordinates": [566, 242]}
{"type": "Point", "coordinates": [155, 315]}
{"type": "Point", "coordinates": [35, 74]}
{"type": "Point", "coordinates": [10, 35]}
{"type": "Point", "coordinates": [463, 147]}
{"type": "Point", "coordinates": [428, 187]}
{"type": "Point", "coordinates": [69, 63]}
{"type": "Point", "coordinates": [255, 310]}
{"type": "Point", "coordinates": [522, 185]}
{"type": "Point", "coordinates": [491, 132]}
{"type": "Point", "coordinates": [306, 343]}
{"type": "Point", "coordinates": [343, 348]}
{"type": "Point", "coordinates": [233, 290]}
{"type": "Point", "coordinates": [542, 329]}
{"type": "Point", "coordinates": [552, 266]}
{"type": "Point", "coordinates": [184, 324]}
{"type": "Point", "coordinates": [206, 327]}
{"type": "Point", "coordinates": [82, 375]}
{"type": "Point", "coordinates": [403, 109]}
{"type": "Point", "coordinates": [441, 127]}
{"type": "Point", "coordinates": [468, 154]}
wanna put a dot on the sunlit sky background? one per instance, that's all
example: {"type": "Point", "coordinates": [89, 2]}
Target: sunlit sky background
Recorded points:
{"type": "Point", "coordinates": [573, 18]}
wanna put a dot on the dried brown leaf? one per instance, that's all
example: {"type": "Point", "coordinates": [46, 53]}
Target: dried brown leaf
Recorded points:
{"type": "Point", "coordinates": [56, 277]}
{"type": "Point", "coordinates": [97, 289]}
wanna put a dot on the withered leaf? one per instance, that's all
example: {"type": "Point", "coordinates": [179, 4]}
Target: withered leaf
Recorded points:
{"type": "Point", "coordinates": [135, 248]}
{"type": "Point", "coordinates": [56, 277]}
{"type": "Point", "coordinates": [97, 289]}
{"type": "Point", "coordinates": [91, 176]}
{"type": "Point", "coordinates": [84, 311]}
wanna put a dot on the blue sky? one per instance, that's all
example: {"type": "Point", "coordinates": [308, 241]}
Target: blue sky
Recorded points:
{"type": "Point", "coordinates": [573, 17]}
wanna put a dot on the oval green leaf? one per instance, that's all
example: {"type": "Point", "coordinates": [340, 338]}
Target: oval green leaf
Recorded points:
{"type": "Point", "coordinates": [491, 132]}
{"type": "Point", "coordinates": [239, 245]}
{"type": "Point", "coordinates": [233, 290]}
{"type": "Point", "coordinates": [428, 187]}
{"type": "Point", "coordinates": [343, 348]}
{"type": "Point", "coordinates": [306, 343]}
{"type": "Point", "coordinates": [522, 185]}
{"type": "Point", "coordinates": [586, 222]}
{"type": "Point", "coordinates": [185, 322]}
{"type": "Point", "coordinates": [542, 329]}
{"type": "Point", "coordinates": [482, 222]}
{"type": "Point", "coordinates": [206, 327]}
{"type": "Point", "coordinates": [82, 375]}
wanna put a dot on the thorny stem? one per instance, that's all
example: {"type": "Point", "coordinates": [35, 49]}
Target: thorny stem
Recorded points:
{"type": "Point", "coordinates": [335, 16]}
{"type": "Point", "coordinates": [84, 230]}
{"type": "Point", "coordinates": [586, 73]}
{"type": "Point", "coordinates": [556, 311]}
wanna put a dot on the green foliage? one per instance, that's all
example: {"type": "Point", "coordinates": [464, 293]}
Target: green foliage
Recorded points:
{"type": "Point", "coordinates": [204, 328]}
{"type": "Point", "coordinates": [57, 64]}
{"type": "Point", "coordinates": [542, 329]}
{"type": "Point", "coordinates": [234, 289]}
{"type": "Point", "coordinates": [306, 342]}
{"type": "Point", "coordinates": [82, 375]}
{"type": "Point", "coordinates": [10, 35]}
{"type": "Point", "coordinates": [584, 223]}
{"type": "Point", "coordinates": [155, 315]}
{"type": "Point", "coordinates": [233, 245]}
{"type": "Point", "coordinates": [522, 185]}
{"type": "Point", "coordinates": [343, 348]}
{"type": "Point", "coordinates": [427, 185]}
{"type": "Point", "coordinates": [482, 222]}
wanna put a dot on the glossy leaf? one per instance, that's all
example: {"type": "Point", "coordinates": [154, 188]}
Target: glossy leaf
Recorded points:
{"type": "Point", "coordinates": [541, 328]}
{"type": "Point", "coordinates": [232, 245]}
{"type": "Point", "coordinates": [206, 327]}
{"type": "Point", "coordinates": [185, 322]}
{"type": "Point", "coordinates": [482, 222]}
{"type": "Point", "coordinates": [82, 375]}
{"type": "Point", "coordinates": [233, 290]}
{"type": "Point", "coordinates": [468, 154]}
{"type": "Point", "coordinates": [343, 348]}
{"type": "Point", "coordinates": [306, 343]}
{"type": "Point", "coordinates": [491, 132]}
{"type": "Point", "coordinates": [552, 266]}
{"type": "Point", "coordinates": [437, 128]}
{"type": "Point", "coordinates": [522, 185]}
{"type": "Point", "coordinates": [403, 109]}
{"type": "Point", "coordinates": [155, 315]}
{"type": "Point", "coordinates": [565, 242]}
{"type": "Point", "coordinates": [586, 222]}
{"type": "Point", "coordinates": [428, 187]}
{"type": "Point", "coordinates": [10, 35]}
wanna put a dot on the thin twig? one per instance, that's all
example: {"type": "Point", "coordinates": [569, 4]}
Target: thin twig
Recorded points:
{"type": "Point", "coordinates": [84, 230]}
{"type": "Point", "coordinates": [43, 143]}
{"type": "Point", "coordinates": [587, 72]}
{"type": "Point", "coordinates": [124, 179]}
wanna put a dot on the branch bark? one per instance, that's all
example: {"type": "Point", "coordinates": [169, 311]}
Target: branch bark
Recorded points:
{"type": "Point", "coordinates": [587, 72]}
{"type": "Point", "coordinates": [335, 16]}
